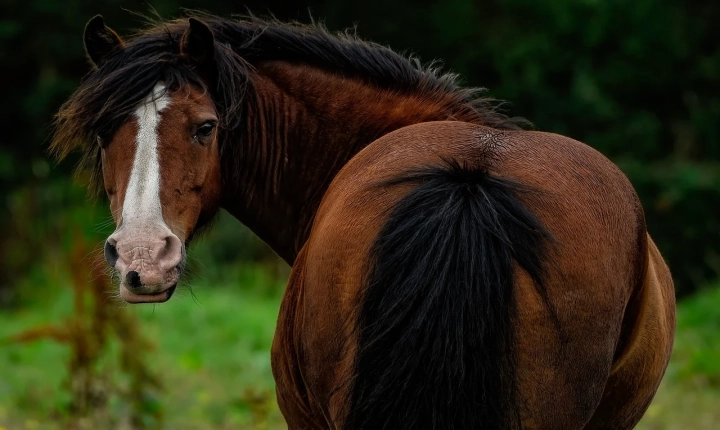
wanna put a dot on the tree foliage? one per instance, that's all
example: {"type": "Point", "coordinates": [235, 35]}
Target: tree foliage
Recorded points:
{"type": "Point", "coordinates": [639, 81]}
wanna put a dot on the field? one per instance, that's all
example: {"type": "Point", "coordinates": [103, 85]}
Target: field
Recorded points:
{"type": "Point", "coordinates": [211, 352]}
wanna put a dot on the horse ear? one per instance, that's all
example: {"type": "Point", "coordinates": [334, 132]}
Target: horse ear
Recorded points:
{"type": "Point", "coordinates": [198, 44]}
{"type": "Point", "coordinates": [100, 41]}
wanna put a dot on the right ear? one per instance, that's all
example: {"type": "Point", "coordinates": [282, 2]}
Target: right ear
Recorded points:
{"type": "Point", "coordinates": [100, 41]}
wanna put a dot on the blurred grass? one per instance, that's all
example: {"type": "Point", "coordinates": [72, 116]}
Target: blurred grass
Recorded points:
{"type": "Point", "coordinates": [213, 355]}
{"type": "Point", "coordinates": [689, 396]}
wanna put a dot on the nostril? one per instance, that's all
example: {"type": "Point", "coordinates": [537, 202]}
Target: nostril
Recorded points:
{"type": "Point", "coordinates": [133, 279]}
{"type": "Point", "coordinates": [171, 253]}
{"type": "Point", "coordinates": [111, 253]}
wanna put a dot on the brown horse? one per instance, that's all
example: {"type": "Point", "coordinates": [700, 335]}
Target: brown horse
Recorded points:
{"type": "Point", "coordinates": [450, 269]}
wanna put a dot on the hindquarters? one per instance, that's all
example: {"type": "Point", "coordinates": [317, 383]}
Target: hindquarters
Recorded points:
{"type": "Point", "coordinates": [564, 333]}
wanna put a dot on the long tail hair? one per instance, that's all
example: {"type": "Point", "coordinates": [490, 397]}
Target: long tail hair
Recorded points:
{"type": "Point", "coordinates": [435, 323]}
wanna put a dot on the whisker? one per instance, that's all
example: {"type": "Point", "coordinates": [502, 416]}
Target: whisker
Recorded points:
{"type": "Point", "coordinates": [194, 297]}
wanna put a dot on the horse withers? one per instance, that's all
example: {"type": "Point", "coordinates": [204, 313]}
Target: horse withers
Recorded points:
{"type": "Point", "coordinates": [450, 269]}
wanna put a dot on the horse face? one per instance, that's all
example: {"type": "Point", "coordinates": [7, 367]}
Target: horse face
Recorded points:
{"type": "Point", "coordinates": [161, 171]}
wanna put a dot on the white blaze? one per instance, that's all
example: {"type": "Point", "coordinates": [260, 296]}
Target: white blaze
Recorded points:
{"type": "Point", "coordinates": [142, 198]}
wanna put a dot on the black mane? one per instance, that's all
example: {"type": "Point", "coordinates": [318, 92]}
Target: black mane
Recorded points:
{"type": "Point", "coordinates": [110, 93]}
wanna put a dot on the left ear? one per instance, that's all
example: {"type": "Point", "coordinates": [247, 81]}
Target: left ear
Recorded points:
{"type": "Point", "coordinates": [198, 44]}
{"type": "Point", "coordinates": [100, 40]}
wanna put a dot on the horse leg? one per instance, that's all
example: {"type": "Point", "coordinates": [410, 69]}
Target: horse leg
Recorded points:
{"type": "Point", "coordinates": [293, 395]}
{"type": "Point", "coordinates": [561, 377]}
{"type": "Point", "coordinates": [640, 363]}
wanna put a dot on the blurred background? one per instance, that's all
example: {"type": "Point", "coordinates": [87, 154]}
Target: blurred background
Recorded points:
{"type": "Point", "coordinates": [639, 81]}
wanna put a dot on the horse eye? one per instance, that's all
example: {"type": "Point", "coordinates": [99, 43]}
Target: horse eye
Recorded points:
{"type": "Point", "coordinates": [100, 140]}
{"type": "Point", "coordinates": [204, 130]}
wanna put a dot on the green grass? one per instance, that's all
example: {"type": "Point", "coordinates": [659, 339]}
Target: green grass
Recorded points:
{"type": "Point", "coordinates": [689, 396]}
{"type": "Point", "coordinates": [213, 357]}
{"type": "Point", "coordinates": [212, 353]}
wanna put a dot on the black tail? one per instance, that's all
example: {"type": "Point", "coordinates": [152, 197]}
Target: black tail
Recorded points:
{"type": "Point", "coordinates": [435, 341]}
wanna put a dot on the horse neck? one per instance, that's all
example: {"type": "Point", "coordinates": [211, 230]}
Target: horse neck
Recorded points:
{"type": "Point", "coordinates": [302, 126]}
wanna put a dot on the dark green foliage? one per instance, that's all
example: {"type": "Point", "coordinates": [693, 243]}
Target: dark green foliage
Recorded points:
{"type": "Point", "coordinates": [639, 81]}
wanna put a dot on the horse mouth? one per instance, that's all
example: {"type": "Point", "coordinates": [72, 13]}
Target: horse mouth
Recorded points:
{"type": "Point", "coordinates": [130, 297]}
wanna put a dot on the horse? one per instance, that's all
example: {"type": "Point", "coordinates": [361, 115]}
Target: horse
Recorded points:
{"type": "Point", "coordinates": [451, 267]}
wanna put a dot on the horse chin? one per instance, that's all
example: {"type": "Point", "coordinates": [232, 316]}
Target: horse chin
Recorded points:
{"type": "Point", "coordinates": [134, 298]}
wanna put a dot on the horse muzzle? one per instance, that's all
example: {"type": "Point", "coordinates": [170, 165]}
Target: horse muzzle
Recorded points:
{"type": "Point", "coordinates": [149, 261]}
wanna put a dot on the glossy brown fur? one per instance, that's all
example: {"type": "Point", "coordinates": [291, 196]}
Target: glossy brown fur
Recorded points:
{"type": "Point", "coordinates": [607, 281]}
{"type": "Point", "coordinates": [302, 172]}
{"type": "Point", "coordinates": [280, 184]}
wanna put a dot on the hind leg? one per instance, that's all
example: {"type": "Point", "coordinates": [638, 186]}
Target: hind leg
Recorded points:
{"type": "Point", "coordinates": [562, 372]}
{"type": "Point", "coordinates": [641, 363]}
